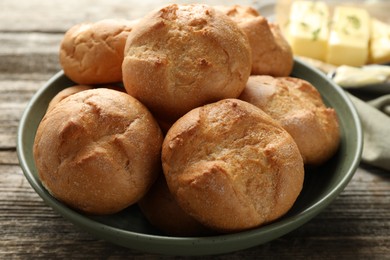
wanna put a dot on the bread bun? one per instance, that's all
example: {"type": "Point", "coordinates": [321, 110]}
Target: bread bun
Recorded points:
{"type": "Point", "coordinates": [271, 53]}
{"type": "Point", "coordinates": [66, 93]}
{"type": "Point", "coordinates": [183, 56]}
{"type": "Point", "coordinates": [299, 108]}
{"type": "Point", "coordinates": [92, 53]}
{"type": "Point", "coordinates": [231, 166]}
{"type": "Point", "coordinates": [75, 89]}
{"type": "Point", "coordinates": [163, 212]}
{"type": "Point", "coordinates": [98, 151]}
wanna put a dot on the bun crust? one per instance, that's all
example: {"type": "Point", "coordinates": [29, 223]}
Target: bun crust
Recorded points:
{"type": "Point", "coordinates": [66, 93]}
{"type": "Point", "coordinates": [92, 53]}
{"type": "Point", "coordinates": [231, 166]}
{"type": "Point", "coordinates": [183, 56]}
{"type": "Point", "coordinates": [299, 108]}
{"type": "Point", "coordinates": [98, 151]}
{"type": "Point", "coordinates": [163, 212]}
{"type": "Point", "coordinates": [271, 53]}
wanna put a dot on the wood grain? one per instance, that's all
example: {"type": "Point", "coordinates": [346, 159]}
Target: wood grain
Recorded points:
{"type": "Point", "coordinates": [355, 226]}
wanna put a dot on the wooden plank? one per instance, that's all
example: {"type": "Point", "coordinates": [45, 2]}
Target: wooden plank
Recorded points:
{"type": "Point", "coordinates": [360, 222]}
{"type": "Point", "coordinates": [8, 157]}
{"type": "Point", "coordinates": [14, 96]}
{"type": "Point", "coordinates": [32, 63]}
{"type": "Point", "coordinates": [29, 42]}
{"type": "Point", "coordinates": [53, 16]}
{"type": "Point", "coordinates": [58, 16]}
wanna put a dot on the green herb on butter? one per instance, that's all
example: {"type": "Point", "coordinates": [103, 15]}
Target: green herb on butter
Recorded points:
{"type": "Point", "coordinates": [304, 25]}
{"type": "Point", "coordinates": [315, 34]}
{"type": "Point", "coordinates": [354, 21]}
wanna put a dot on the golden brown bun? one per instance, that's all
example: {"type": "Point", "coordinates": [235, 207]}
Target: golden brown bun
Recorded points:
{"type": "Point", "coordinates": [271, 53]}
{"type": "Point", "coordinates": [231, 166]}
{"type": "Point", "coordinates": [92, 53]}
{"type": "Point", "coordinates": [182, 56]}
{"type": "Point", "coordinates": [299, 108]}
{"type": "Point", "coordinates": [163, 212]}
{"type": "Point", "coordinates": [98, 151]}
{"type": "Point", "coordinates": [75, 89]}
{"type": "Point", "coordinates": [66, 93]}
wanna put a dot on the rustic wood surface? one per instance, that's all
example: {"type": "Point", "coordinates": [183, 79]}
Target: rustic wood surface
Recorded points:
{"type": "Point", "coordinates": [356, 225]}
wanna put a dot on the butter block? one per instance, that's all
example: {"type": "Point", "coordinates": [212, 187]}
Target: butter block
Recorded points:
{"type": "Point", "coordinates": [380, 42]}
{"type": "Point", "coordinates": [307, 30]}
{"type": "Point", "coordinates": [349, 37]}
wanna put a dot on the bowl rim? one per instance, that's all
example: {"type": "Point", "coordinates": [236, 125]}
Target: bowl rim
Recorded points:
{"type": "Point", "coordinates": [172, 245]}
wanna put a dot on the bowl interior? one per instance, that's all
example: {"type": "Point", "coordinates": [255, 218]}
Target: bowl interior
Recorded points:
{"type": "Point", "coordinates": [129, 228]}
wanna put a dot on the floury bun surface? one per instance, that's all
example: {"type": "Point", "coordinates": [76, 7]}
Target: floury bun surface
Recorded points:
{"type": "Point", "coordinates": [232, 167]}
{"type": "Point", "coordinates": [66, 93]}
{"type": "Point", "coordinates": [92, 53]}
{"type": "Point", "coordinates": [75, 89]}
{"type": "Point", "coordinates": [98, 151]}
{"type": "Point", "coordinates": [299, 108]}
{"type": "Point", "coordinates": [271, 53]}
{"type": "Point", "coordinates": [183, 56]}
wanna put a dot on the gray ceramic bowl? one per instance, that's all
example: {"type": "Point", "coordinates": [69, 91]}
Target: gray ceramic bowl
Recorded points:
{"type": "Point", "coordinates": [130, 229]}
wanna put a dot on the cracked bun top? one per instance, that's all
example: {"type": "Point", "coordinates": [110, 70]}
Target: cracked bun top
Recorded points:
{"type": "Point", "coordinates": [298, 107]}
{"type": "Point", "coordinates": [66, 93]}
{"type": "Point", "coordinates": [271, 53]}
{"type": "Point", "coordinates": [183, 56]}
{"type": "Point", "coordinates": [98, 151]}
{"type": "Point", "coordinates": [92, 53]}
{"type": "Point", "coordinates": [231, 166]}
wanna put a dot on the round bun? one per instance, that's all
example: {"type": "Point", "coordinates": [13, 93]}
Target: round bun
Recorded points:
{"type": "Point", "coordinates": [271, 53]}
{"type": "Point", "coordinates": [163, 212]}
{"type": "Point", "coordinates": [92, 53]}
{"type": "Point", "coordinates": [299, 108]}
{"type": "Point", "coordinates": [183, 56]}
{"type": "Point", "coordinates": [66, 93]}
{"type": "Point", "coordinates": [98, 151]}
{"type": "Point", "coordinates": [231, 166]}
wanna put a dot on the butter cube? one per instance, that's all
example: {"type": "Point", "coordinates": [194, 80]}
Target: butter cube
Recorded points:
{"type": "Point", "coordinates": [380, 42]}
{"type": "Point", "coordinates": [349, 37]}
{"type": "Point", "coordinates": [307, 29]}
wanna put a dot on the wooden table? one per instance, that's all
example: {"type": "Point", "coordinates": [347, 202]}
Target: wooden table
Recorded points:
{"type": "Point", "coordinates": [355, 225]}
